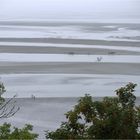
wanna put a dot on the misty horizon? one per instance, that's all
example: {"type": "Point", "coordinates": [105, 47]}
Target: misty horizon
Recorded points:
{"type": "Point", "coordinates": [69, 9]}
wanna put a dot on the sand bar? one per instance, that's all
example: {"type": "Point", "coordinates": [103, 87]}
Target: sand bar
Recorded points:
{"type": "Point", "coordinates": [22, 47]}
{"type": "Point", "coordinates": [63, 50]}
{"type": "Point", "coordinates": [70, 68]}
{"type": "Point", "coordinates": [23, 57]}
{"type": "Point", "coordinates": [73, 41]}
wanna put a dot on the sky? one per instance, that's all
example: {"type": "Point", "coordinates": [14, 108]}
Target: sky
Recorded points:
{"type": "Point", "coordinates": [69, 9]}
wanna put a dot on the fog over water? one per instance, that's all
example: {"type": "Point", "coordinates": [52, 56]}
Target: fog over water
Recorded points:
{"type": "Point", "coordinates": [69, 9]}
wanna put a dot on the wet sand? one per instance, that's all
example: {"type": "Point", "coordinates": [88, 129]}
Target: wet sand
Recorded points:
{"type": "Point", "coordinates": [70, 68]}
{"type": "Point", "coordinates": [73, 41]}
{"type": "Point", "coordinates": [63, 50]}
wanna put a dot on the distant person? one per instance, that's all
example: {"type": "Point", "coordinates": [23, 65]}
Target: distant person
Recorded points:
{"type": "Point", "coordinates": [33, 97]}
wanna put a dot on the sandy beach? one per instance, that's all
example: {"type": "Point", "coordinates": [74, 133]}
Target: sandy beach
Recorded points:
{"type": "Point", "coordinates": [57, 48]}
{"type": "Point", "coordinates": [52, 52]}
{"type": "Point", "coordinates": [32, 64]}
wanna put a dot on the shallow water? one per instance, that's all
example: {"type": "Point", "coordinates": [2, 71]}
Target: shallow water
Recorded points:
{"type": "Point", "coordinates": [73, 30]}
{"type": "Point", "coordinates": [65, 85]}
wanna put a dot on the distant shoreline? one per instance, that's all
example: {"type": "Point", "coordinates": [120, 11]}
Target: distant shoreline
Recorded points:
{"type": "Point", "coordinates": [76, 20]}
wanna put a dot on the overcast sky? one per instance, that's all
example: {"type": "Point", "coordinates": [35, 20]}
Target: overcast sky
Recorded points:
{"type": "Point", "coordinates": [67, 9]}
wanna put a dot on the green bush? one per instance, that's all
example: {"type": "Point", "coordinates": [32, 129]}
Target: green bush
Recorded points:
{"type": "Point", "coordinates": [8, 133]}
{"type": "Point", "coordinates": [112, 118]}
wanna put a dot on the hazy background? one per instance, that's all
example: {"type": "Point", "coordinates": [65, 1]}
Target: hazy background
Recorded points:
{"type": "Point", "coordinates": [69, 9]}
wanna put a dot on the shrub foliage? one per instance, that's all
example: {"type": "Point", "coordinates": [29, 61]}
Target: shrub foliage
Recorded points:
{"type": "Point", "coordinates": [8, 133]}
{"type": "Point", "coordinates": [112, 118]}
